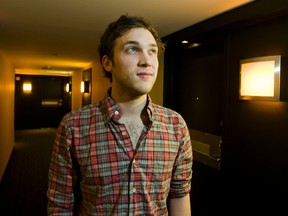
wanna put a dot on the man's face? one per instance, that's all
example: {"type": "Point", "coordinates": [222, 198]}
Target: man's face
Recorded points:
{"type": "Point", "coordinates": [135, 63]}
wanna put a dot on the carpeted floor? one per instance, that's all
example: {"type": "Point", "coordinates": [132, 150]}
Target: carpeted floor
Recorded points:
{"type": "Point", "coordinates": [24, 184]}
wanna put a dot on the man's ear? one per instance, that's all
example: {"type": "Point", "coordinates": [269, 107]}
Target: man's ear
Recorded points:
{"type": "Point", "coordinates": [106, 63]}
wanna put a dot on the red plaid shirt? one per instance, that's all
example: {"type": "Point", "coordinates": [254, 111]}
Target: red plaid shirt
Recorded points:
{"type": "Point", "coordinates": [94, 169]}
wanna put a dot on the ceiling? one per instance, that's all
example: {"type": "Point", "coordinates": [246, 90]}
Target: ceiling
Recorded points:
{"type": "Point", "coordinates": [63, 35]}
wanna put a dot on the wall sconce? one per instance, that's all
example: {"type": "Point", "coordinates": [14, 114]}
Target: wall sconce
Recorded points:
{"type": "Point", "coordinates": [260, 78]}
{"type": "Point", "coordinates": [27, 87]}
{"type": "Point", "coordinates": [68, 87]}
{"type": "Point", "coordinates": [85, 86]}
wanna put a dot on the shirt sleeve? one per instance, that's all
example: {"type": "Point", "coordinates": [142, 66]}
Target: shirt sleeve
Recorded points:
{"type": "Point", "coordinates": [62, 175]}
{"type": "Point", "coordinates": [182, 172]}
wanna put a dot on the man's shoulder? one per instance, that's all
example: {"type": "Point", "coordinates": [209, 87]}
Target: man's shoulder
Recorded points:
{"type": "Point", "coordinates": [165, 111]}
{"type": "Point", "coordinates": [86, 111]}
{"type": "Point", "coordinates": [164, 117]}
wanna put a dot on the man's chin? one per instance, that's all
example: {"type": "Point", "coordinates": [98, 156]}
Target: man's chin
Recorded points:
{"type": "Point", "coordinates": [143, 91]}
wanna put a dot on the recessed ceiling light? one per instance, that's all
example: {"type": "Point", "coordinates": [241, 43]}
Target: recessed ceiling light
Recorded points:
{"type": "Point", "coordinates": [194, 45]}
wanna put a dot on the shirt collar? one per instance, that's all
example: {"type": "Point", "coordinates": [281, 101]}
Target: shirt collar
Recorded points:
{"type": "Point", "coordinates": [114, 112]}
{"type": "Point", "coordinates": [150, 108]}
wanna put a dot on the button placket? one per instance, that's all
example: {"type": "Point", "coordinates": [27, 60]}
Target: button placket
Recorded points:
{"type": "Point", "coordinates": [134, 190]}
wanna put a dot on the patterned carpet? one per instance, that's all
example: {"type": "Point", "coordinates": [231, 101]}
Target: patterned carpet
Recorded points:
{"type": "Point", "coordinates": [24, 184]}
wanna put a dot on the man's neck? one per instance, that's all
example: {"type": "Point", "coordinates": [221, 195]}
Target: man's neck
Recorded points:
{"type": "Point", "coordinates": [134, 117]}
{"type": "Point", "coordinates": [130, 107]}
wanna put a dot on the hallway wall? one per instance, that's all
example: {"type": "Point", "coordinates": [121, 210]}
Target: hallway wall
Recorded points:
{"type": "Point", "coordinates": [253, 172]}
{"type": "Point", "coordinates": [100, 84]}
{"type": "Point", "coordinates": [6, 111]}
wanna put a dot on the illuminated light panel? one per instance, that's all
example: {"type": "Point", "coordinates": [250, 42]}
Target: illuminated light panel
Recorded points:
{"type": "Point", "coordinates": [82, 87]}
{"type": "Point", "coordinates": [85, 86]}
{"type": "Point", "coordinates": [27, 87]}
{"type": "Point", "coordinates": [68, 87]}
{"type": "Point", "coordinates": [260, 78]}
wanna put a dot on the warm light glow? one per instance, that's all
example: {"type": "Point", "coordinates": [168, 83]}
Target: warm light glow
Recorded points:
{"type": "Point", "coordinates": [85, 86]}
{"type": "Point", "coordinates": [257, 79]}
{"type": "Point", "coordinates": [184, 42]}
{"type": "Point", "coordinates": [82, 86]}
{"type": "Point", "coordinates": [260, 78]}
{"type": "Point", "coordinates": [43, 72]}
{"type": "Point", "coordinates": [68, 87]}
{"type": "Point", "coordinates": [194, 45]}
{"type": "Point", "coordinates": [27, 87]}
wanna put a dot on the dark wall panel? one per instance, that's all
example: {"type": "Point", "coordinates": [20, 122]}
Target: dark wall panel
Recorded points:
{"type": "Point", "coordinates": [257, 131]}
{"type": "Point", "coordinates": [254, 172]}
{"type": "Point", "coordinates": [199, 88]}
{"type": "Point", "coordinates": [195, 87]}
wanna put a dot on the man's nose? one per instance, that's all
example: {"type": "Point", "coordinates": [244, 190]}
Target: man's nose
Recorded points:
{"type": "Point", "coordinates": [144, 59]}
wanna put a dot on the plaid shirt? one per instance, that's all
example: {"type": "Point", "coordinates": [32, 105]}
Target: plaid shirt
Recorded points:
{"type": "Point", "coordinates": [94, 169]}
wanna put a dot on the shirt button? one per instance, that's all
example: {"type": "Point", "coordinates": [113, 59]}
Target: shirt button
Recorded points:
{"type": "Point", "coordinates": [123, 133]}
{"type": "Point", "coordinates": [134, 190]}
{"type": "Point", "coordinates": [116, 113]}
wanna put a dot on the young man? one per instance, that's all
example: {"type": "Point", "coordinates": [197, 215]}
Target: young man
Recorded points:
{"type": "Point", "coordinates": [124, 155]}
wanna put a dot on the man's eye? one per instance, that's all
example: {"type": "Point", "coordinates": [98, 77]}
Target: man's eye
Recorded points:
{"type": "Point", "coordinates": [154, 51]}
{"type": "Point", "coordinates": [132, 50]}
